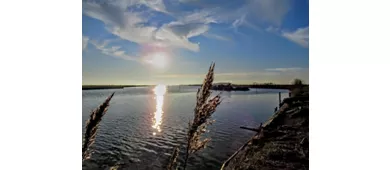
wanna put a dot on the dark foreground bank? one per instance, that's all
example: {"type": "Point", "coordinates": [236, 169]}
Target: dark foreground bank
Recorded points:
{"type": "Point", "coordinates": [280, 143]}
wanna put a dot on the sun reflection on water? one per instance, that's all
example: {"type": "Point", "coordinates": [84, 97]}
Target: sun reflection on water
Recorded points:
{"type": "Point", "coordinates": [159, 92]}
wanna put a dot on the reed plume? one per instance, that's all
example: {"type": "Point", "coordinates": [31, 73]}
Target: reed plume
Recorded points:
{"type": "Point", "coordinates": [172, 160]}
{"type": "Point", "coordinates": [204, 108]}
{"type": "Point", "coordinates": [92, 125]}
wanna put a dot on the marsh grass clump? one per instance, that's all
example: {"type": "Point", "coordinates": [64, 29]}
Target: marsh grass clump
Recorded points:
{"type": "Point", "coordinates": [204, 108]}
{"type": "Point", "coordinates": [92, 125]}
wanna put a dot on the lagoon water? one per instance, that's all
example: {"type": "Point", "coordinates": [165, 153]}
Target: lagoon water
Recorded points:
{"type": "Point", "coordinates": [144, 124]}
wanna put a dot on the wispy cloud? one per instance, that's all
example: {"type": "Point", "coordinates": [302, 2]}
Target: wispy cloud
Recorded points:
{"type": "Point", "coordinates": [85, 42]}
{"type": "Point", "coordinates": [273, 29]}
{"type": "Point", "coordinates": [260, 11]}
{"type": "Point", "coordinates": [128, 20]}
{"type": "Point", "coordinates": [299, 36]}
{"type": "Point", "coordinates": [238, 22]}
{"type": "Point", "coordinates": [272, 11]}
{"type": "Point", "coordinates": [114, 51]}
{"type": "Point", "coordinates": [284, 69]}
{"type": "Point", "coordinates": [130, 25]}
{"type": "Point", "coordinates": [215, 36]}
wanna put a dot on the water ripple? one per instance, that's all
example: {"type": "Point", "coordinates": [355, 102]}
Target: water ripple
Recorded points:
{"type": "Point", "coordinates": [126, 131]}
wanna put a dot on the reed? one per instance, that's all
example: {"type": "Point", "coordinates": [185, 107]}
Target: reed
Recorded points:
{"type": "Point", "coordinates": [204, 108]}
{"type": "Point", "coordinates": [173, 158]}
{"type": "Point", "coordinates": [92, 125]}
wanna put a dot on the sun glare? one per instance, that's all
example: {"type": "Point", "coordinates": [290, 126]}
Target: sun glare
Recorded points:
{"type": "Point", "coordinates": [158, 60]}
{"type": "Point", "coordinates": [159, 92]}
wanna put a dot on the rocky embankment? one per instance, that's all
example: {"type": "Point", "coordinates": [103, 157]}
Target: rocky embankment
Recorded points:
{"type": "Point", "coordinates": [280, 143]}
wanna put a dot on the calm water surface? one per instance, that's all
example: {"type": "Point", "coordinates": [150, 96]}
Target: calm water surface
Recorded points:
{"type": "Point", "coordinates": [143, 124]}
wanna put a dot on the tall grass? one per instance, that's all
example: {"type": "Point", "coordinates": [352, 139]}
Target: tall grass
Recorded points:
{"type": "Point", "coordinates": [172, 161]}
{"type": "Point", "coordinates": [92, 125]}
{"type": "Point", "coordinates": [204, 108]}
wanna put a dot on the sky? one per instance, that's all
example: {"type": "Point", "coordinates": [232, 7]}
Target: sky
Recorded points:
{"type": "Point", "coordinates": [175, 41]}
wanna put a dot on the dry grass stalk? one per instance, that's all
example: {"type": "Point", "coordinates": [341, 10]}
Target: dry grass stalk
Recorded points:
{"type": "Point", "coordinates": [172, 160]}
{"type": "Point", "coordinates": [204, 108]}
{"type": "Point", "coordinates": [115, 167]}
{"type": "Point", "coordinates": [92, 125]}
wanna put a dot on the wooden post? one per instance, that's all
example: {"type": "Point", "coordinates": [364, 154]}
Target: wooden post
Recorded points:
{"type": "Point", "coordinates": [251, 129]}
{"type": "Point", "coordinates": [280, 98]}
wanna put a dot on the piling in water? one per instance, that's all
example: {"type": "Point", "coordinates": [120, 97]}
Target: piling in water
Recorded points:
{"type": "Point", "coordinates": [280, 98]}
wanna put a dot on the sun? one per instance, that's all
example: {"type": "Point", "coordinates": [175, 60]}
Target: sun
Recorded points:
{"type": "Point", "coordinates": [158, 60]}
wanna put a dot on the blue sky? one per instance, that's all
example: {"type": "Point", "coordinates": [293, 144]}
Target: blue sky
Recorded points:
{"type": "Point", "coordinates": [175, 41]}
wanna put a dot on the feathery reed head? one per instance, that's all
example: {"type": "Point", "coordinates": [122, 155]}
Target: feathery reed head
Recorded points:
{"type": "Point", "coordinates": [205, 107]}
{"type": "Point", "coordinates": [92, 125]}
{"type": "Point", "coordinates": [172, 160]}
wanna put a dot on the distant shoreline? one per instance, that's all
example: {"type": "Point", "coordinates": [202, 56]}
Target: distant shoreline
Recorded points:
{"type": "Point", "coordinates": [257, 86]}
{"type": "Point", "coordinates": [103, 87]}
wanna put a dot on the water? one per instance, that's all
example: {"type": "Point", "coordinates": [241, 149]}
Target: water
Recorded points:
{"type": "Point", "coordinates": [142, 125]}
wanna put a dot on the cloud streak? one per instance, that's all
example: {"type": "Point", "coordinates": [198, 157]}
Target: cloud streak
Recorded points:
{"type": "Point", "coordinates": [272, 11]}
{"type": "Point", "coordinates": [85, 42]}
{"type": "Point", "coordinates": [132, 20]}
{"type": "Point", "coordinates": [114, 51]}
{"type": "Point", "coordinates": [284, 69]}
{"type": "Point", "coordinates": [299, 36]}
{"type": "Point", "coordinates": [217, 37]}
{"type": "Point", "coordinates": [131, 25]}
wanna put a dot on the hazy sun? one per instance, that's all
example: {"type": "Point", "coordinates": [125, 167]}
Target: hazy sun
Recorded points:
{"type": "Point", "coordinates": [158, 60]}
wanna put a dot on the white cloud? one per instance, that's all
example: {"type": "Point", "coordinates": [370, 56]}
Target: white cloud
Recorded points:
{"type": "Point", "coordinates": [252, 14]}
{"type": "Point", "coordinates": [272, 29]}
{"type": "Point", "coordinates": [114, 51]}
{"type": "Point", "coordinates": [238, 22]}
{"type": "Point", "coordinates": [121, 18]}
{"type": "Point", "coordinates": [129, 25]}
{"type": "Point", "coordinates": [205, 16]}
{"type": "Point", "coordinates": [215, 36]}
{"type": "Point", "coordinates": [157, 5]}
{"type": "Point", "coordinates": [85, 42]}
{"type": "Point", "coordinates": [272, 11]}
{"type": "Point", "coordinates": [177, 33]}
{"type": "Point", "coordinates": [300, 36]}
